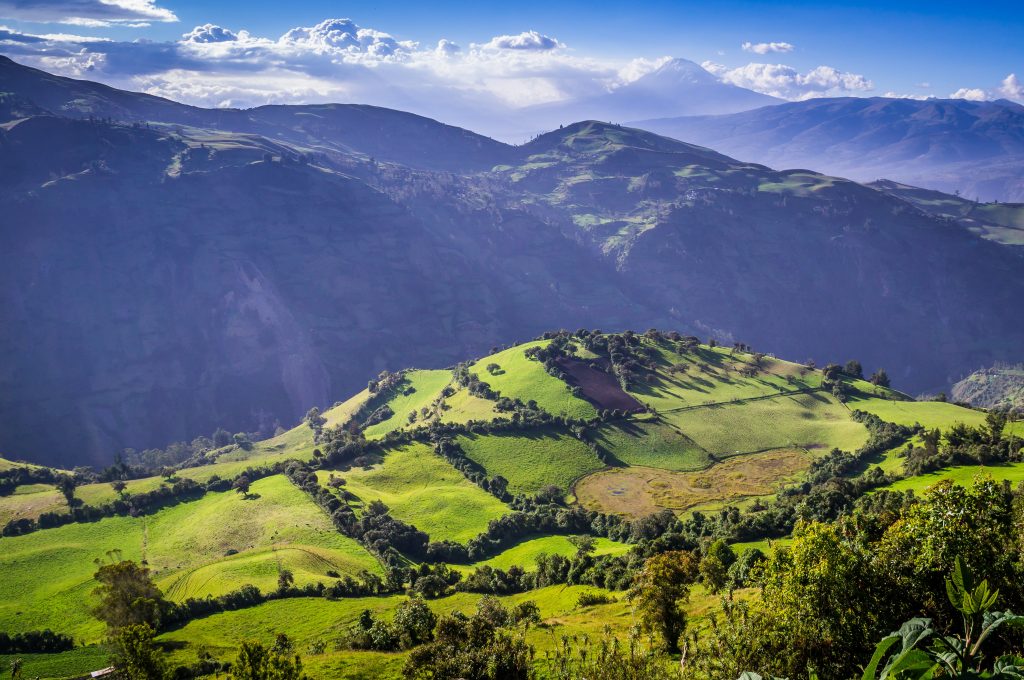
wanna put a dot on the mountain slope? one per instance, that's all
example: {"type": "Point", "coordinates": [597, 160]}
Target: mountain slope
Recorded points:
{"type": "Point", "coordinates": [383, 134]}
{"type": "Point", "coordinates": [160, 280]}
{"type": "Point", "coordinates": [976, 148]}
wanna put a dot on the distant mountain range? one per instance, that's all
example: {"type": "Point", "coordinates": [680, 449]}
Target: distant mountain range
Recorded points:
{"type": "Point", "coordinates": [166, 270]}
{"type": "Point", "coordinates": [952, 145]}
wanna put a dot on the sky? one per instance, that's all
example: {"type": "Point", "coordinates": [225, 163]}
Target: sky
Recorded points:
{"type": "Point", "coordinates": [487, 57]}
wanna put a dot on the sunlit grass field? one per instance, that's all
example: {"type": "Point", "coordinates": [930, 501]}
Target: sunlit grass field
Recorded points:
{"type": "Point", "coordinates": [525, 553]}
{"type": "Point", "coordinates": [525, 379]}
{"type": "Point", "coordinates": [48, 574]}
{"type": "Point", "coordinates": [531, 460]}
{"type": "Point", "coordinates": [652, 444]}
{"type": "Point", "coordinates": [421, 488]}
{"type": "Point", "coordinates": [423, 388]}
{"type": "Point", "coordinates": [810, 421]}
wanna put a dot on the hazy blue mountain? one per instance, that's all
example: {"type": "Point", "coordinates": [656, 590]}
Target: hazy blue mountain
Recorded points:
{"type": "Point", "coordinates": [976, 148]}
{"type": "Point", "coordinates": [162, 278]}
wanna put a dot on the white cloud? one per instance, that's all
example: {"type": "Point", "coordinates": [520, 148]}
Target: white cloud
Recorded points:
{"type": "Point", "coordinates": [899, 95]}
{"type": "Point", "coordinates": [527, 40]}
{"type": "Point", "coordinates": [94, 13]}
{"type": "Point", "coordinates": [209, 33]}
{"type": "Point", "coordinates": [1012, 88]}
{"type": "Point", "coordinates": [779, 80]}
{"type": "Point", "coordinates": [766, 47]}
{"type": "Point", "coordinates": [974, 94]}
{"type": "Point", "coordinates": [345, 35]}
{"type": "Point", "coordinates": [446, 48]}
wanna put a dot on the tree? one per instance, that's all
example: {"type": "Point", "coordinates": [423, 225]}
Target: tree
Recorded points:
{"type": "Point", "coordinates": [256, 662]}
{"type": "Point", "coordinates": [221, 437]}
{"type": "Point", "coordinates": [315, 420]}
{"type": "Point", "coordinates": [241, 485]}
{"type": "Point", "coordinates": [658, 593]}
{"type": "Point", "coordinates": [16, 667]}
{"type": "Point", "coordinates": [285, 579]}
{"type": "Point", "coordinates": [127, 596]}
{"type": "Point", "coordinates": [136, 657]}
{"type": "Point", "coordinates": [880, 378]}
{"type": "Point", "coordinates": [66, 485]}
{"type": "Point", "coordinates": [118, 486]}
{"type": "Point", "coordinates": [415, 622]}
{"type": "Point", "coordinates": [714, 568]}
{"type": "Point", "coordinates": [853, 369]}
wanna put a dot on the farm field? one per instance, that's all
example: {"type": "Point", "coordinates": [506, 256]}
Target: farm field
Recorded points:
{"type": "Point", "coordinates": [421, 488]}
{"type": "Point", "coordinates": [638, 491]}
{"type": "Point", "coordinates": [463, 407]}
{"type": "Point", "coordinates": [961, 474]}
{"type": "Point", "coordinates": [525, 379]}
{"type": "Point", "coordinates": [809, 421]}
{"type": "Point", "coordinates": [343, 412]}
{"type": "Point", "coordinates": [525, 554]}
{"type": "Point", "coordinates": [30, 501]}
{"type": "Point", "coordinates": [929, 414]}
{"type": "Point", "coordinates": [652, 444]}
{"type": "Point", "coordinates": [426, 386]}
{"type": "Point", "coordinates": [185, 545]}
{"type": "Point", "coordinates": [531, 460]}
{"type": "Point", "coordinates": [712, 376]}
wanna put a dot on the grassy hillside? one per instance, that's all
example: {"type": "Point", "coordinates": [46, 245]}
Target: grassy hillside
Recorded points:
{"type": "Point", "coordinates": [31, 500]}
{"type": "Point", "coordinates": [808, 421]}
{"type": "Point", "coordinates": [962, 474]}
{"type": "Point", "coordinates": [525, 554]}
{"type": "Point", "coordinates": [417, 390]}
{"type": "Point", "coordinates": [520, 378]}
{"type": "Point", "coordinates": [652, 444]}
{"type": "Point", "coordinates": [48, 574]}
{"type": "Point", "coordinates": [929, 414]}
{"type": "Point", "coordinates": [421, 488]}
{"type": "Point", "coordinates": [530, 461]}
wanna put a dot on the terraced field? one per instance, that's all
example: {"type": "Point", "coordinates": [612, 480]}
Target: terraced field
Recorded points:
{"type": "Point", "coordinates": [522, 378]}
{"type": "Point", "coordinates": [639, 491]}
{"type": "Point", "coordinates": [531, 460]}
{"type": "Point", "coordinates": [421, 488]}
{"type": "Point", "coordinates": [809, 421]}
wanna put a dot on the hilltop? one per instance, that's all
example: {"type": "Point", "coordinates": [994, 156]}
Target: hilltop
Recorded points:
{"type": "Point", "coordinates": [502, 461]}
{"type": "Point", "coordinates": [172, 270]}
{"type": "Point", "coordinates": [1001, 386]}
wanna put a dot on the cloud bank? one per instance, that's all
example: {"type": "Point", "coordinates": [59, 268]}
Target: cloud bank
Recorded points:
{"type": "Point", "coordinates": [766, 47]}
{"type": "Point", "coordinates": [86, 12]}
{"type": "Point", "coordinates": [786, 82]}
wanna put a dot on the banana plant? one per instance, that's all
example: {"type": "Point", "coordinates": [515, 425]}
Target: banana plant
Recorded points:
{"type": "Point", "coordinates": [949, 656]}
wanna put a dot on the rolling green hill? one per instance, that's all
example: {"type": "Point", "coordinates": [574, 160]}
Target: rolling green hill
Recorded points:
{"type": "Point", "coordinates": [717, 431]}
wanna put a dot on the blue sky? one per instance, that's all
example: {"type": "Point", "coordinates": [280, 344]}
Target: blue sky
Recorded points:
{"type": "Point", "coordinates": [797, 49]}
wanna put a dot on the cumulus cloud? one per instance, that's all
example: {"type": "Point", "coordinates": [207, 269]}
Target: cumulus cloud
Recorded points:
{"type": "Point", "coordinates": [974, 94]}
{"type": "Point", "coordinates": [527, 40]}
{"type": "Point", "coordinates": [446, 48]}
{"type": "Point", "coordinates": [209, 33]}
{"type": "Point", "coordinates": [1012, 88]}
{"type": "Point", "coordinates": [766, 47]}
{"type": "Point", "coordinates": [345, 35]}
{"type": "Point", "coordinates": [94, 13]}
{"type": "Point", "coordinates": [779, 80]}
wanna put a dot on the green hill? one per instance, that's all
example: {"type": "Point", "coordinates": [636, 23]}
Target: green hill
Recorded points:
{"type": "Point", "coordinates": [697, 430]}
